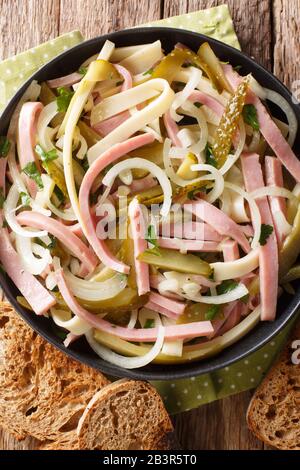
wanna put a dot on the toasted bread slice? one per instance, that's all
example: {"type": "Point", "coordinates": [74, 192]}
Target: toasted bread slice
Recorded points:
{"type": "Point", "coordinates": [43, 392]}
{"type": "Point", "coordinates": [125, 415]}
{"type": "Point", "coordinates": [274, 411]}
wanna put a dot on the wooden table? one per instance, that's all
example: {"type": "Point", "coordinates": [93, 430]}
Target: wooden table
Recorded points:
{"type": "Point", "coordinates": [268, 30]}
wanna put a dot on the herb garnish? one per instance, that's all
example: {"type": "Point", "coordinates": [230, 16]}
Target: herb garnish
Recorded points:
{"type": "Point", "coordinates": [25, 198]}
{"type": "Point", "coordinates": [250, 116]}
{"type": "Point", "coordinates": [4, 146]}
{"type": "Point", "coordinates": [265, 232]}
{"type": "Point", "coordinates": [33, 173]}
{"type": "Point", "coordinates": [148, 72]}
{"type": "Point", "coordinates": [226, 286]}
{"type": "Point", "coordinates": [209, 156]}
{"type": "Point", "coordinates": [82, 70]}
{"type": "Point", "coordinates": [46, 156]}
{"type": "Point", "coordinates": [149, 323]}
{"type": "Point", "coordinates": [212, 311]}
{"type": "Point", "coordinates": [63, 99]}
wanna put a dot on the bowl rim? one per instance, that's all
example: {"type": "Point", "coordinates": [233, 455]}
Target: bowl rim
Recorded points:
{"type": "Point", "coordinates": [156, 372]}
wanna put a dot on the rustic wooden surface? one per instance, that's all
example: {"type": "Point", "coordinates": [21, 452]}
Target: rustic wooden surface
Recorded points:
{"type": "Point", "coordinates": [268, 30]}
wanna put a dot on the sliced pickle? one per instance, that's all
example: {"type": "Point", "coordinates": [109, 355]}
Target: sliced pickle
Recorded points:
{"type": "Point", "coordinates": [184, 170]}
{"type": "Point", "coordinates": [197, 312]}
{"type": "Point", "coordinates": [57, 175]}
{"type": "Point", "coordinates": [213, 68]}
{"type": "Point", "coordinates": [229, 123]}
{"type": "Point", "coordinates": [91, 136]}
{"type": "Point", "coordinates": [173, 260]}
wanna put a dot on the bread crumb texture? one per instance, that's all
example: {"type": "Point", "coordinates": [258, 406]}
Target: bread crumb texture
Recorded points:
{"type": "Point", "coordinates": [126, 414]}
{"type": "Point", "coordinates": [274, 412]}
{"type": "Point", "coordinates": [43, 392]}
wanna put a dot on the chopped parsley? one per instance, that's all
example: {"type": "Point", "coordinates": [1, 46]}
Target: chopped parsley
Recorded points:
{"type": "Point", "coordinates": [237, 68]}
{"type": "Point", "coordinates": [46, 156]}
{"type": "Point", "coordinates": [265, 232]}
{"type": "Point", "coordinates": [209, 156]}
{"type": "Point", "coordinates": [25, 198]}
{"type": "Point", "coordinates": [153, 251]}
{"type": "Point", "coordinates": [151, 236]}
{"type": "Point", "coordinates": [33, 173]}
{"type": "Point", "coordinates": [107, 168]}
{"type": "Point", "coordinates": [2, 270]}
{"type": "Point", "coordinates": [226, 286]}
{"type": "Point", "coordinates": [149, 323]}
{"type": "Point", "coordinates": [63, 99]}
{"type": "Point", "coordinates": [122, 276]}
{"type": "Point", "coordinates": [250, 116]}
{"type": "Point", "coordinates": [120, 82]}
{"type": "Point", "coordinates": [82, 70]}
{"type": "Point", "coordinates": [2, 198]}
{"type": "Point", "coordinates": [245, 299]}
{"type": "Point", "coordinates": [197, 104]}
{"type": "Point", "coordinates": [148, 72]}
{"type": "Point", "coordinates": [4, 146]}
{"type": "Point", "coordinates": [212, 311]}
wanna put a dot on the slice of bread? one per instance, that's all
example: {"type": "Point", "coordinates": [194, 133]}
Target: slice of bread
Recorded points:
{"type": "Point", "coordinates": [43, 392]}
{"type": "Point", "coordinates": [274, 411]}
{"type": "Point", "coordinates": [125, 415]}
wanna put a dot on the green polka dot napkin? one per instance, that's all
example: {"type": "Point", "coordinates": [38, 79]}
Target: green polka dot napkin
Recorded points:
{"type": "Point", "coordinates": [180, 395]}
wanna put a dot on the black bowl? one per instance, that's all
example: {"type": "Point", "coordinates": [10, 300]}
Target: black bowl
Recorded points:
{"type": "Point", "coordinates": [69, 61]}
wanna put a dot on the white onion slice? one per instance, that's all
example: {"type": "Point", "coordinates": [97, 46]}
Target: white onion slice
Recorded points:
{"type": "Point", "coordinates": [31, 263]}
{"type": "Point", "coordinates": [93, 290]}
{"type": "Point", "coordinates": [50, 281]}
{"type": "Point", "coordinates": [255, 214]}
{"type": "Point", "coordinates": [9, 207]}
{"type": "Point", "coordinates": [45, 117]}
{"type": "Point", "coordinates": [186, 137]}
{"type": "Point", "coordinates": [282, 223]}
{"type": "Point", "coordinates": [237, 268]}
{"type": "Point", "coordinates": [226, 202]}
{"type": "Point", "coordinates": [239, 291]}
{"type": "Point", "coordinates": [257, 89]}
{"type": "Point", "coordinates": [281, 102]}
{"type": "Point", "coordinates": [182, 96]}
{"type": "Point", "coordinates": [123, 361]}
{"type": "Point", "coordinates": [276, 191]}
{"type": "Point", "coordinates": [64, 319]}
{"type": "Point", "coordinates": [232, 158]}
{"type": "Point", "coordinates": [81, 153]}
{"type": "Point", "coordinates": [126, 177]}
{"type": "Point", "coordinates": [43, 198]}
{"type": "Point", "coordinates": [133, 319]}
{"type": "Point", "coordinates": [191, 110]}
{"type": "Point", "coordinates": [253, 146]}
{"type": "Point", "coordinates": [143, 165]}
